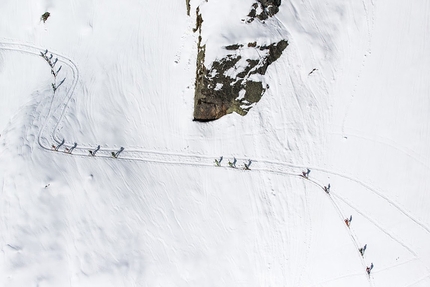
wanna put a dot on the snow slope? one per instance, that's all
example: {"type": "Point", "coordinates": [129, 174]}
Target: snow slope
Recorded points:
{"type": "Point", "coordinates": [162, 214]}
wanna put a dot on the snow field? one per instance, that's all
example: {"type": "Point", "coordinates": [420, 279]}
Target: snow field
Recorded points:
{"type": "Point", "coordinates": [162, 214]}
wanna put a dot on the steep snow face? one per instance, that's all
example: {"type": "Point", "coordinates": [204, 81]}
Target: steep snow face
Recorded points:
{"type": "Point", "coordinates": [348, 99]}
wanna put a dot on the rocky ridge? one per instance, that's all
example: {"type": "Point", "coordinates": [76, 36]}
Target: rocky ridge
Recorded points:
{"type": "Point", "coordinates": [234, 82]}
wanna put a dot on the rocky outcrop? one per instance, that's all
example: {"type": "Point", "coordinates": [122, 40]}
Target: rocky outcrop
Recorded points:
{"type": "Point", "coordinates": [263, 9]}
{"type": "Point", "coordinates": [228, 84]}
{"type": "Point", "coordinates": [234, 82]}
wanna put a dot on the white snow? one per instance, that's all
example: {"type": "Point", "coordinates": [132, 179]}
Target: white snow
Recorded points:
{"type": "Point", "coordinates": [163, 214]}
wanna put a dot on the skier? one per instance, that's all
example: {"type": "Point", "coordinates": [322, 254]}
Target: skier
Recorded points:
{"type": "Point", "coordinates": [368, 269]}
{"type": "Point", "coordinates": [247, 165]}
{"type": "Point", "coordinates": [348, 221]}
{"type": "Point", "coordinates": [306, 173]}
{"type": "Point", "coordinates": [232, 164]}
{"type": "Point", "coordinates": [116, 154]}
{"type": "Point", "coordinates": [72, 148]}
{"type": "Point", "coordinates": [218, 161]}
{"type": "Point", "coordinates": [363, 249]}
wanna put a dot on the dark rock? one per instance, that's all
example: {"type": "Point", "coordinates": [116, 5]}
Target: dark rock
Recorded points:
{"type": "Point", "coordinates": [268, 9]}
{"type": "Point", "coordinates": [218, 94]}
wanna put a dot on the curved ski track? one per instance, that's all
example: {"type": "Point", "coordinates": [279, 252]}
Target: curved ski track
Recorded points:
{"type": "Point", "coordinates": [54, 117]}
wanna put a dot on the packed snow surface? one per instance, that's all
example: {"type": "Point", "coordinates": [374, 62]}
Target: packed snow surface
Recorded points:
{"type": "Point", "coordinates": [162, 213]}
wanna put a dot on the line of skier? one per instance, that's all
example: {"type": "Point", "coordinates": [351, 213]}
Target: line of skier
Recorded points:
{"type": "Point", "coordinates": [232, 164]}
{"type": "Point", "coordinates": [54, 72]}
{"type": "Point", "coordinates": [69, 150]}
{"type": "Point", "coordinates": [347, 221]}
{"type": "Point", "coordinates": [326, 188]}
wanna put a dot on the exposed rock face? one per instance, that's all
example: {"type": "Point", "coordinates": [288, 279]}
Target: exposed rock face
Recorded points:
{"type": "Point", "coordinates": [263, 9]}
{"type": "Point", "coordinates": [227, 86]}
{"type": "Point", "coordinates": [234, 82]}
{"type": "Point", "coordinates": [187, 2]}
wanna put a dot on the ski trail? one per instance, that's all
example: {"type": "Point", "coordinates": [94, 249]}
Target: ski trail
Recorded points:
{"type": "Point", "coordinates": [17, 48]}
{"type": "Point", "coordinates": [376, 224]}
{"type": "Point", "coordinates": [370, 28]}
{"type": "Point", "coordinates": [348, 229]}
{"type": "Point", "coordinates": [379, 194]}
{"type": "Point", "coordinates": [418, 280]}
{"type": "Point", "coordinates": [388, 143]}
{"type": "Point", "coordinates": [29, 49]}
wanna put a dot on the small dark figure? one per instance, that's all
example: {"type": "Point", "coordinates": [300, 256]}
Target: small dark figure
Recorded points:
{"type": "Point", "coordinates": [72, 148]}
{"type": "Point", "coordinates": [306, 173]}
{"type": "Point", "coordinates": [60, 145]}
{"type": "Point", "coordinates": [313, 70]}
{"type": "Point", "coordinates": [368, 269]}
{"type": "Point", "coordinates": [233, 164]}
{"type": "Point", "coordinates": [116, 154]}
{"type": "Point", "coordinates": [347, 222]}
{"type": "Point", "coordinates": [45, 16]}
{"type": "Point", "coordinates": [247, 165]}
{"type": "Point", "coordinates": [218, 161]}
{"type": "Point", "coordinates": [327, 188]}
{"type": "Point", "coordinates": [93, 153]}
{"type": "Point", "coordinates": [363, 249]}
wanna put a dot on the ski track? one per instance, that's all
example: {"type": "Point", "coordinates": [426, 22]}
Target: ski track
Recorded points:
{"type": "Point", "coordinates": [418, 281]}
{"type": "Point", "coordinates": [363, 64]}
{"type": "Point", "coordinates": [387, 142]}
{"type": "Point", "coordinates": [166, 157]}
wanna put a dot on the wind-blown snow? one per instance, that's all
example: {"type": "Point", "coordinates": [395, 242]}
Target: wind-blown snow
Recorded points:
{"type": "Point", "coordinates": [162, 214]}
